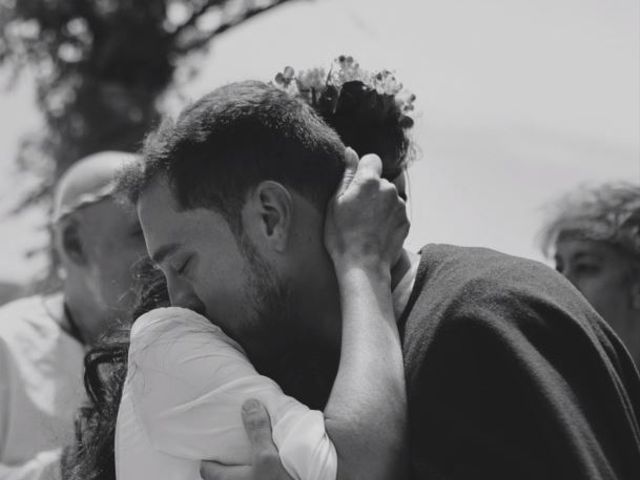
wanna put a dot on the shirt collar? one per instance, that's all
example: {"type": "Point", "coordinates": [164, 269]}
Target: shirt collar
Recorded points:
{"type": "Point", "coordinates": [402, 292]}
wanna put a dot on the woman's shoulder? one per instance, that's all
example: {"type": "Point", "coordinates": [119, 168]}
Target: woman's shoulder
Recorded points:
{"type": "Point", "coordinates": [176, 317]}
{"type": "Point", "coordinates": [176, 346]}
{"type": "Point", "coordinates": [174, 322]}
{"type": "Point", "coordinates": [177, 331]}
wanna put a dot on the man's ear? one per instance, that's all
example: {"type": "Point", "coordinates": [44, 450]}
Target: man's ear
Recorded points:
{"type": "Point", "coordinates": [72, 244]}
{"type": "Point", "coordinates": [275, 209]}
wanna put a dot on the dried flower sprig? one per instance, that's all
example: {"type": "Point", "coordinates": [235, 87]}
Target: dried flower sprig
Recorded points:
{"type": "Point", "coordinates": [324, 90]}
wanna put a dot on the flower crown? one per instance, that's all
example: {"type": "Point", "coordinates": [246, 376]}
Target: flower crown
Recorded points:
{"type": "Point", "coordinates": [346, 85]}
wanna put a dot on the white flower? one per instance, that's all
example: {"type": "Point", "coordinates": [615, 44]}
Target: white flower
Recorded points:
{"type": "Point", "coordinates": [385, 83]}
{"type": "Point", "coordinates": [404, 100]}
{"type": "Point", "coordinates": [315, 85]}
{"type": "Point", "coordinates": [345, 69]}
{"type": "Point", "coordinates": [284, 81]}
{"type": "Point", "coordinates": [312, 79]}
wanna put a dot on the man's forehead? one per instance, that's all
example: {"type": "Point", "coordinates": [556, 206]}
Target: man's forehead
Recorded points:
{"type": "Point", "coordinates": [576, 247]}
{"type": "Point", "coordinates": [158, 215]}
{"type": "Point", "coordinates": [164, 222]}
{"type": "Point", "coordinates": [156, 194]}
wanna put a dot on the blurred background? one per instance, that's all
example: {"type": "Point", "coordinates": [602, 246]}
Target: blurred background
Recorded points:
{"type": "Point", "coordinates": [518, 101]}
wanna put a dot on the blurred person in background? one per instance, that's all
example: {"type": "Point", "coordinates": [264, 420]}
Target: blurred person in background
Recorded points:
{"type": "Point", "coordinates": [43, 338]}
{"type": "Point", "coordinates": [595, 242]}
{"type": "Point", "coordinates": [10, 291]}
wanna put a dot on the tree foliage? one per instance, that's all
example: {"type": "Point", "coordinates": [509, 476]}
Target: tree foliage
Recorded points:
{"type": "Point", "coordinates": [100, 67]}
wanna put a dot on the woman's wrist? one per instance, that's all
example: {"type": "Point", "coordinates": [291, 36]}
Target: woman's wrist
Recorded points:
{"type": "Point", "coordinates": [357, 269]}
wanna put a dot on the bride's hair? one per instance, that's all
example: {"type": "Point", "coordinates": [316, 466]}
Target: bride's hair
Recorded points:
{"type": "Point", "coordinates": [371, 111]}
{"type": "Point", "coordinates": [92, 455]}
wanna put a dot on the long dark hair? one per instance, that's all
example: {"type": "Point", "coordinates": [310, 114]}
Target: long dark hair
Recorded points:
{"type": "Point", "coordinates": [92, 455]}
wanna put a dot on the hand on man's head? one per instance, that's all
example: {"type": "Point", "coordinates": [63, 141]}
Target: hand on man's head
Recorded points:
{"type": "Point", "coordinates": [366, 219]}
{"type": "Point", "coordinates": [266, 460]}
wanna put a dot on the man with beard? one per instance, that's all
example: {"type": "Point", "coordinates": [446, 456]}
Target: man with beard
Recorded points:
{"type": "Point", "coordinates": [510, 373]}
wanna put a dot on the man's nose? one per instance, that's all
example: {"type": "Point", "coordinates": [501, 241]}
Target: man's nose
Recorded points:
{"type": "Point", "coordinates": [181, 295]}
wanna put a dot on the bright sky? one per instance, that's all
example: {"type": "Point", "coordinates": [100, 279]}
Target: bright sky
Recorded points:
{"type": "Point", "coordinates": [519, 102]}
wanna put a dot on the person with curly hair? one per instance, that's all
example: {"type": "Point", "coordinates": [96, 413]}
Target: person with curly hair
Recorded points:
{"type": "Point", "coordinates": [594, 238]}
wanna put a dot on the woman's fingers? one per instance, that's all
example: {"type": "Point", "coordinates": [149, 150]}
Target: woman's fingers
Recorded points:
{"type": "Point", "coordinates": [351, 166]}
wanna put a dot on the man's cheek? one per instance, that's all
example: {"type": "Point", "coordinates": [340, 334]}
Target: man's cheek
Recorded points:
{"type": "Point", "coordinates": [212, 303]}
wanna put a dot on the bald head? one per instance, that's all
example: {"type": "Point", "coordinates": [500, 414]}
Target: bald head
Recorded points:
{"type": "Point", "coordinates": [89, 180]}
{"type": "Point", "coordinates": [98, 240]}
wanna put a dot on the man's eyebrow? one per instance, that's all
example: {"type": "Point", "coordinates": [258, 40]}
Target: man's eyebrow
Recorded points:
{"type": "Point", "coordinates": [589, 255]}
{"type": "Point", "coordinates": [159, 255]}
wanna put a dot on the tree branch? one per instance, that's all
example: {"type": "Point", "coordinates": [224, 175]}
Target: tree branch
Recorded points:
{"type": "Point", "coordinates": [206, 38]}
{"type": "Point", "coordinates": [195, 15]}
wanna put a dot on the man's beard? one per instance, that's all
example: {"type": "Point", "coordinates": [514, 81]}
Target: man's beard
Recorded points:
{"type": "Point", "coordinates": [277, 344]}
{"type": "Point", "coordinates": [269, 326]}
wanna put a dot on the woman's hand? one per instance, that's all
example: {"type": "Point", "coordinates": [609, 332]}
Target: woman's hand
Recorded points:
{"type": "Point", "coordinates": [366, 221]}
{"type": "Point", "coordinates": [365, 416]}
{"type": "Point", "coordinates": [266, 461]}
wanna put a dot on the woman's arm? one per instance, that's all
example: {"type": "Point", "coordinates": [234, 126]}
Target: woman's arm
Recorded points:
{"type": "Point", "coordinates": [365, 417]}
{"type": "Point", "coordinates": [366, 413]}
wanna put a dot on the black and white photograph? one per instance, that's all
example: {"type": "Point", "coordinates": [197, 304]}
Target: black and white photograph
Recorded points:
{"type": "Point", "coordinates": [319, 240]}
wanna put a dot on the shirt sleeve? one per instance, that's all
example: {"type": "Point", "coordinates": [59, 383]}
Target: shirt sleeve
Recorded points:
{"type": "Point", "coordinates": [44, 466]}
{"type": "Point", "coordinates": [188, 383]}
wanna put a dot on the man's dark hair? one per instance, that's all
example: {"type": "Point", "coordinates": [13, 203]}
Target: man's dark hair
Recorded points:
{"type": "Point", "coordinates": [235, 137]}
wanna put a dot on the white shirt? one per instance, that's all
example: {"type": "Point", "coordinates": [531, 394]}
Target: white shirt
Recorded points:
{"type": "Point", "coordinates": [402, 291]}
{"type": "Point", "coordinates": [182, 399]}
{"type": "Point", "coordinates": [41, 387]}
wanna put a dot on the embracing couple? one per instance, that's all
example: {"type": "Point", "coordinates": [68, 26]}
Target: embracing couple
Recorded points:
{"type": "Point", "coordinates": [302, 341]}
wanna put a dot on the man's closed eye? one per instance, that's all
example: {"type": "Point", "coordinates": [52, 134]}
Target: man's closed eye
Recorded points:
{"type": "Point", "coordinates": [183, 269]}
